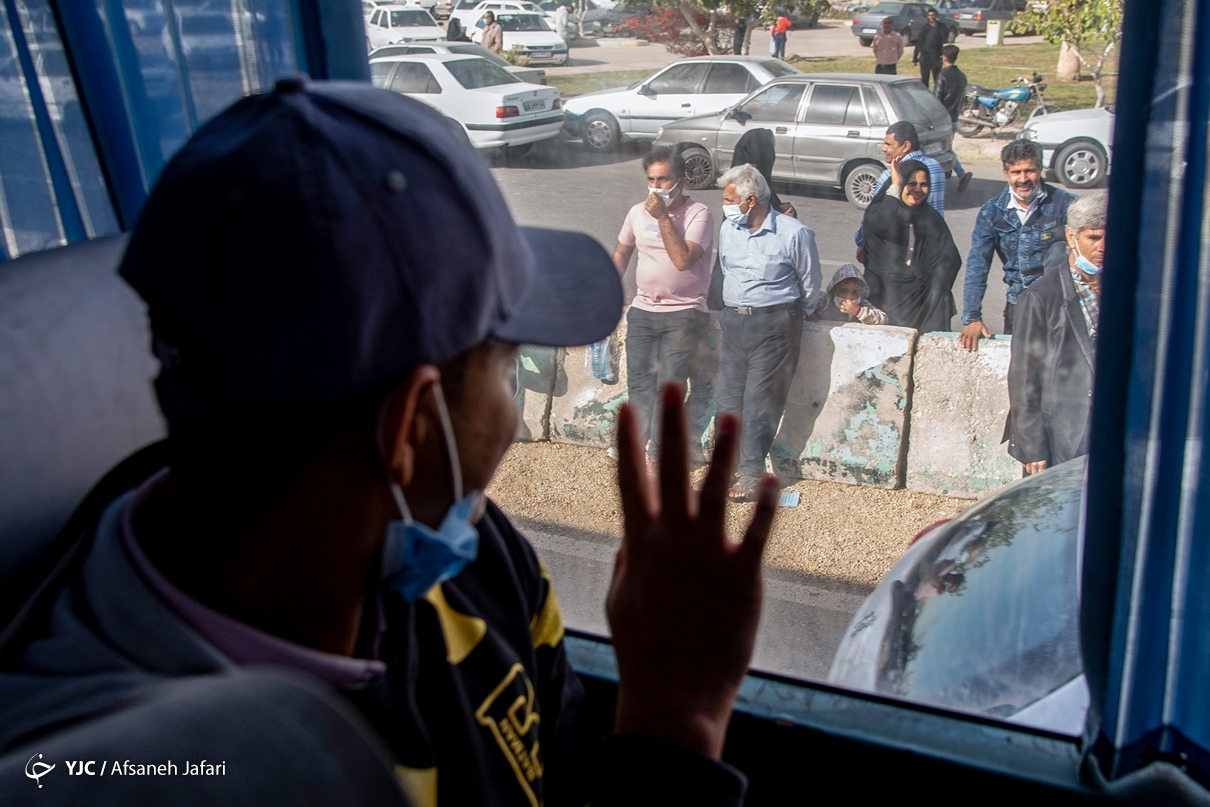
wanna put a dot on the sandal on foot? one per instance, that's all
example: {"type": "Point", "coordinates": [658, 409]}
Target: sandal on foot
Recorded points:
{"type": "Point", "coordinates": [745, 489]}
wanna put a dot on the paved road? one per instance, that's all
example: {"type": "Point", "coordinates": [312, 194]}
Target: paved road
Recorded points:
{"type": "Point", "coordinates": [832, 38]}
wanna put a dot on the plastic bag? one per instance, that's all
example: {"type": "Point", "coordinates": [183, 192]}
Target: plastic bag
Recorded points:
{"type": "Point", "coordinates": [599, 360]}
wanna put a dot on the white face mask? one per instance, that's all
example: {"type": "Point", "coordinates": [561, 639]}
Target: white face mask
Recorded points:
{"type": "Point", "coordinates": [732, 214]}
{"type": "Point", "coordinates": [665, 195]}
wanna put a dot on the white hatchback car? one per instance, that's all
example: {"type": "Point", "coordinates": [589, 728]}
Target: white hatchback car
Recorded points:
{"type": "Point", "coordinates": [495, 108]}
{"type": "Point", "coordinates": [533, 75]}
{"type": "Point", "coordinates": [390, 25]}
{"type": "Point", "coordinates": [529, 34]}
{"type": "Point", "coordinates": [700, 86]}
{"type": "Point", "coordinates": [1076, 145]}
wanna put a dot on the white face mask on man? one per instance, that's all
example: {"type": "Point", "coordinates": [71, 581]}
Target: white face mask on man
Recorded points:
{"type": "Point", "coordinates": [665, 195]}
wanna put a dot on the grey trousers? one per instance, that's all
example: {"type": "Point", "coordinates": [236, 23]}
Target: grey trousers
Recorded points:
{"type": "Point", "coordinates": [756, 365]}
{"type": "Point", "coordinates": [660, 347]}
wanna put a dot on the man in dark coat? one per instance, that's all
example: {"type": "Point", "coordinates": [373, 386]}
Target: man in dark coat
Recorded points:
{"type": "Point", "coordinates": [1051, 371]}
{"type": "Point", "coordinates": [951, 92]}
{"type": "Point", "coordinates": [928, 47]}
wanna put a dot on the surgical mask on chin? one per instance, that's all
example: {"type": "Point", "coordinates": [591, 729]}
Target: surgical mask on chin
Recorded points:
{"type": "Point", "coordinates": [1084, 265]}
{"type": "Point", "coordinates": [1029, 197]}
{"type": "Point", "coordinates": [416, 557]}
{"type": "Point", "coordinates": [731, 213]}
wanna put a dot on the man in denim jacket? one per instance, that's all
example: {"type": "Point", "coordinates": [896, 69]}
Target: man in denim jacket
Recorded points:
{"type": "Point", "coordinates": [1020, 226]}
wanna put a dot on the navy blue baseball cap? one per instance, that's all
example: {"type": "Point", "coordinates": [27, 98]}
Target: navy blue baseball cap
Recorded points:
{"type": "Point", "coordinates": [326, 237]}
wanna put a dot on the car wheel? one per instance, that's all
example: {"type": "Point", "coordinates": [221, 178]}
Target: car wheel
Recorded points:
{"type": "Point", "coordinates": [866, 41]}
{"type": "Point", "coordinates": [968, 33]}
{"type": "Point", "coordinates": [860, 183]}
{"type": "Point", "coordinates": [906, 33]}
{"type": "Point", "coordinates": [699, 168]}
{"type": "Point", "coordinates": [952, 36]}
{"type": "Point", "coordinates": [1081, 165]}
{"type": "Point", "coordinates": [600, 132]}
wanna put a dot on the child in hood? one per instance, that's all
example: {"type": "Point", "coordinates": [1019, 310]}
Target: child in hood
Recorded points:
{"type": "Point", "coordinates": [845, 299]}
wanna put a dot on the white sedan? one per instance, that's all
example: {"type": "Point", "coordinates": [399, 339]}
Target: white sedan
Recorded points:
{"type": "Point", "coordinates": [529, 34]}
{"type": "Point", "coordinates": [468, 12]}
{"type": "Point", "coordinates": [704, 85]}
{"type": "Point", "coordinates": [1075, 145]}
{"type": "Point", "coordinates": [390, 25]}
{"type": "Point", "coordinates": [495, 109]}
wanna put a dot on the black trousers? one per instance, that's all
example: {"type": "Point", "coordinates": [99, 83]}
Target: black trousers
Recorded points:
{"type": "Point", "coordinates": [929, 67]}
{"type": "Point", "coordinates": [887, 69]}
{"type": "Point", "coordinates": [756, 365]}
{"type": "Point", "coordinates": [1009, 310]}
{"type": "Point", "coordinates": [660, 348]}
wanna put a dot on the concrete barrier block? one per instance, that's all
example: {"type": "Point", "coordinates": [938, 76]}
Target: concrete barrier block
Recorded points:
{"type": "Point", "coordinates": [584, 410]}
{"type": "Point", "coordinates": [959, 405]}
{"type": "Point", "coordinates": [537, 382]}
{"type": "Point", "coordinates": [847, 410]}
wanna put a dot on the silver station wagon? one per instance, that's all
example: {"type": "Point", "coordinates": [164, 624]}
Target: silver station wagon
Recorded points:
{"type": "Point", "coordinates": [827, 129]}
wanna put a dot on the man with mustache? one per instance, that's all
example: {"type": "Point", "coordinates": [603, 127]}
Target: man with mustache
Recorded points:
{"type": "Point", "coordinates": [1020, 225]}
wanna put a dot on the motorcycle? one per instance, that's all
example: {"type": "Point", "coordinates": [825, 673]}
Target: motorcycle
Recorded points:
{"type": "Point", "coordinates": [996, 109]}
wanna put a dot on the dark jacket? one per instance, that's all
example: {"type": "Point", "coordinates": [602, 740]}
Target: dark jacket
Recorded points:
{"type": "Point", "coordinates": [929, 42]}
{"type": "Point", "coordinates": [1022, 248]}
{"type": "Point", "coordinates": [951, 90]}
{"type": "Point", "coordinates": [1051, 371]}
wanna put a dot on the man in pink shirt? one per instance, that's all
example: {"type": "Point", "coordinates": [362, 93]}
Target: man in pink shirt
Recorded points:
{"type": "Point", "coordinates": [668, 316]}
{"type": "Point", "coordinates": [888, 49]}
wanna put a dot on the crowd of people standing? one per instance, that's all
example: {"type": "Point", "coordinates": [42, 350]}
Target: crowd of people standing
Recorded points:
{"type": "Point", "coordinates": [767, 280]}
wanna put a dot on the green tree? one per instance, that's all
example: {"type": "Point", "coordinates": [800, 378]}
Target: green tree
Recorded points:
{"type": "Point", "coordinates": [1081, 25]}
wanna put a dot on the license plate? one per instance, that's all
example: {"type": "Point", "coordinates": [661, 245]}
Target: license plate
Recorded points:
{"type": "Point", "coordinates": [966, 17]}
{"type": "Point", "coordinates": [530, 106]}
{"type": "Point", "coordinates": [868, 31]}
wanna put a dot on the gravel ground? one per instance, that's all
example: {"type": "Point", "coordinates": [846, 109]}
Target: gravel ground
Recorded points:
{"type": "Point", "coordinates": [841, 536]}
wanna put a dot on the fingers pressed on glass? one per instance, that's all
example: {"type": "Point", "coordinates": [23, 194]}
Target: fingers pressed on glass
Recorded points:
{"type": "Point", "coordinates": [674, 454]}
{"type": "Point", "coordinates": [713, 500]}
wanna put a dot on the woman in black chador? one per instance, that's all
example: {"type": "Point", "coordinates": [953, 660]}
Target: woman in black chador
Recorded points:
{"type": "Point", "coordinates": [910, 258]}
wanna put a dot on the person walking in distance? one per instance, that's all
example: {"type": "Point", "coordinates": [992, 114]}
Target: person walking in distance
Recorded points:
{"type": "Point", "coordinates": [888, 49]}
{"type": "Point", "coordinates": [493, 34]}
{"type": "Point", "coordinates": [771, 281]}
{"type": "Point", "coordinates": [928, 47]}
{"type": "Point", "coordinates": [781, 27]}
{"type": "Point", "coordinates": [951, 91]}
{"type": "Point", "coordinates": [668, 316]}
{"type": "Point", "coordinates": [1020, 225]}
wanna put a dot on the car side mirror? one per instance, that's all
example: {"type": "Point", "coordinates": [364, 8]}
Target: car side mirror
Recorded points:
{"type": "Point", "coordinates": [740, 115]}
{"type": "Point", "coordinates": [646, 90]}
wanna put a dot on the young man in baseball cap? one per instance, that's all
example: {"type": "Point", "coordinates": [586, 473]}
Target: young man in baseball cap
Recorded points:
{"type": "Point", "coordinates": [336, 293]}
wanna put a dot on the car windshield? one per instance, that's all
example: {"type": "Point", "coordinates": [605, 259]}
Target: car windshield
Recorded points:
{"type": "Point", "coordinates": [476, 73]}
{"type": "Point", "coordinates": [914, 102]}
{"type": "Point", "coordinates": [522, 22]}
{"type": "Point", "coordinates": [981, 4]}
{"type": "Point", "coordinates": [410, 18]}
{"type": "Point", "coordinates": [1010, 571]}
{"type": "Point", "coordinates": [889, 9]}
{"type": "Point", "coordinates": [470, 49]}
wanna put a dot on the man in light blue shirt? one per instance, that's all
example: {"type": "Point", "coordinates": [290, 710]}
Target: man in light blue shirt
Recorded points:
{"type": "Point", "coordinates": [902, 141]}
{"type": "Point", "coordinates": [771, 279]}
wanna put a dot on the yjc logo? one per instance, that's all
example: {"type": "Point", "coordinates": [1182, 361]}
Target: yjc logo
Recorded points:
{"type": "Point", "coordinates": [36, 770]}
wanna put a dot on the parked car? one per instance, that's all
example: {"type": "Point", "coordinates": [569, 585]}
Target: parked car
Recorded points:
{"type": "Point", "coordinates": [469, 16]}
{"type": "Point", "coordinates": [529, 34]}
{"type": "Point", "coordinates": [909, 19]}
{"type": "Point", "coordinates": [442, 9]}
{"type": "Point", "coordinates": [981, 614]}
{"type": "Point", "coordinates": [533, 75]}
{"type": "Point", "coordinates": [701, 85]}
{"type": "Point", "coordinates": [492, 105]}
{"type": "Point", "coordinates": [616, 19]}
{"type": "Point", "coordinates": [827, 127]}
{"type": "Point", "coordinates": [594, 14]}
{"type": "Point", "coordinates": [973, 18]}
{"type": "Point", "coordinates": [1076, 145]}
{"type": "Point", "coordinates": [390, 25]}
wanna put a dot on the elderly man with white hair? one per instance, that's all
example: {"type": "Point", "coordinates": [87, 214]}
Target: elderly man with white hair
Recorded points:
{"type": "Point", "coordinates": [1050, 373]}
{"type": "Point", "coordinates": [771, 281]}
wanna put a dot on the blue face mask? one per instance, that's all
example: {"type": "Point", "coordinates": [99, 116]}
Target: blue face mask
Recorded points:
{"type": "Point", "coordinates": [416, 557]}
{"type": "Point", "coordinates": [1083, 264]}
{"type": "Point", "coordinates": [731, 213]}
